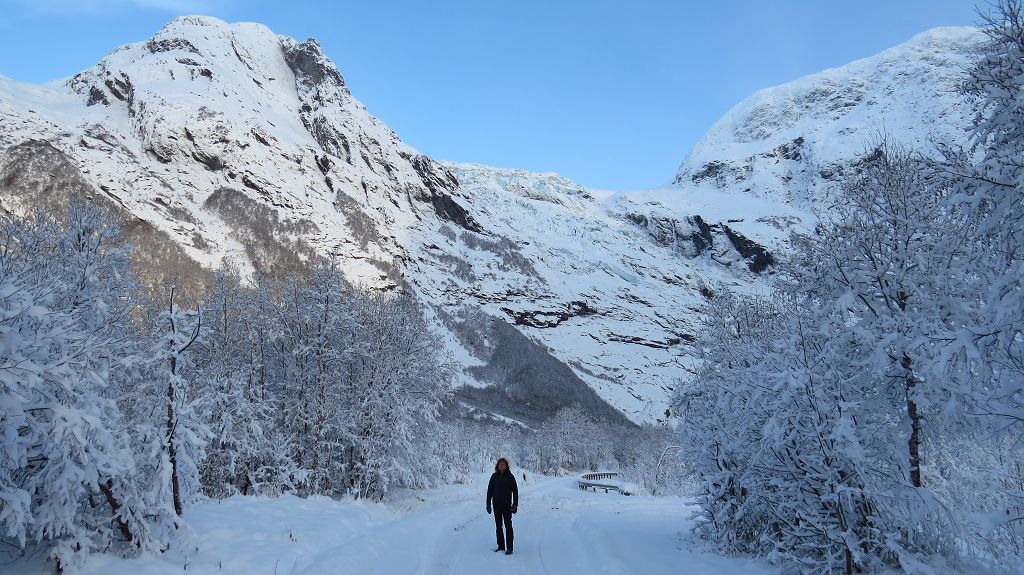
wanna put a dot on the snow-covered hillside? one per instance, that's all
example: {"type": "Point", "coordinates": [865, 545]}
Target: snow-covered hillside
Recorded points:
{"type": "Point", "coordinates": [225, 144]}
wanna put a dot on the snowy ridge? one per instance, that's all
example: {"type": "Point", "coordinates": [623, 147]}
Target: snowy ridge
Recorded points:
{"type": "Point", "coordinates": [786, 143]}
{"type": "Point", "coordinates": [247, 149]}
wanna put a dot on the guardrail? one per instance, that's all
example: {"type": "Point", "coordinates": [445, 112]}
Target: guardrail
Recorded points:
{"type": "Point", "coordinates": [593, 482]}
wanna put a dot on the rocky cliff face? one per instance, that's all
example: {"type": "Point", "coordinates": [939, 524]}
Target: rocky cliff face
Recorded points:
{"type": "Point", "coordinates": [219, 144]}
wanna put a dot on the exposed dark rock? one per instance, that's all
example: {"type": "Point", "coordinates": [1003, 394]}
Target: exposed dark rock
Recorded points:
{"type": "Point", "coordinates": [671, 233]}
{"type": "Point", "coordinates": [758, 258]}
{"type": "Point", "coordinates": [438, 181]}
{"type": "Point", "coordinates": [187, 61]}
{"type": "Point", "coordinates": [332, 141]}
{"type": "Point", "coordinates": [318, 82]}
{"type": "Point", "coordinates": [324, 163]}
{"type": "Point", "coordinates": [244, 61]}
{"type": "Point", "coordinates": [260, 136]}
{"type": "Point", "coordinates": [657, 344]}
{"type": "Point", "coordinates": [308, 63]}
{"type": "Point", "coordinates": [546, 319]}
{"type": "Point", "coordinates": [157, 155]}
{"type": "Point", "coordinates": [707, 292]}
{"type": "Point", "coordinates": [639, 219]}
{"type": "Point", "coordinates": [702, 239]}
{"type": "Point", "coordinates": [98, 132]}
{"type": "Point", "coordinates": [211, 161]}
{"type": "Point", "coordinates": [789, 150]}
{"type": "Point", "coordinates": [251, 184]}
{"type": "Point", "coordinates": [434, 176]}
{"type": "Point", "coordinates": [121, 88]}
{"type": "Point", "coordinates": [667, 232]}
{"type": "Point", "coordinates": [635, 299]}
{"type": "Point", "coordinates": [96, 96]}
{"type": "Point", "coordinates": [710, 170]}
{"type": "Point", "coordinates": [721, 173]}
{"type": "Point", "coordinates": [169, 44]}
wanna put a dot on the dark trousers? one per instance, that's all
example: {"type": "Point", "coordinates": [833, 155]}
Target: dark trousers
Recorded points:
{"type": "Point", "coordinates": [503, 514]}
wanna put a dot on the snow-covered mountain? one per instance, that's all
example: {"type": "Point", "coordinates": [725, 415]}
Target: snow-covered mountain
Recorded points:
{"type": "Point", "coordinates": [225, 144]}
{"type": "Point", "coordinates": [790, 143]}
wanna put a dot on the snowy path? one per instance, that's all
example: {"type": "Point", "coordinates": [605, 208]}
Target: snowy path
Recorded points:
{"type": "Point", "coordinates": [559, 530]}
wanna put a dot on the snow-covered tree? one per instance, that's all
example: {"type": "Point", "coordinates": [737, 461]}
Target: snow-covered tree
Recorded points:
{"type": "Point", "coordinates": [649, 457]}
{"type": "Point", "coordinates": [991, 348]}
{"type": "Point", "coordinates": [244, 454]}
{"type": "Point", "coordinates": [184, 435]}
{"type": "Point", "coordinates": [822, 414]}
{"type": "Point", "coordinates": [66, 473]}
{"type": "Point", "coordinates": [320, 336]}
{"type": "Point", "coordinates": [571, 440]}
{"type": "Point", "coordinates": [994, 188]}
{"type": "Point", "coordinates": [399, 379]}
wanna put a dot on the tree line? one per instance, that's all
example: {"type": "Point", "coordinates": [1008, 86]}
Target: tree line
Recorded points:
{"type": "Point", "coordinates": [118, 409]}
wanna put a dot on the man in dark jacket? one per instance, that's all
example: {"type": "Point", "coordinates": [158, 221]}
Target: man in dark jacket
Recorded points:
{"type": "Point", "coordinates": [504, 493]}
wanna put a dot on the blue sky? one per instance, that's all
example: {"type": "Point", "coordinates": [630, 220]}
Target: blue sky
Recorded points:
{"type": "Point", "coordinates": [611, 94]}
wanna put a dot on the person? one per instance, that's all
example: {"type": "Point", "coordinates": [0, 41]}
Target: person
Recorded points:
{"type": "Point", "coordinates": [503, 492]}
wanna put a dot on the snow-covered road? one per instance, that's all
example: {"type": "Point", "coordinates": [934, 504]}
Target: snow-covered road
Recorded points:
{"type": "Point", "coordinates": [559, 530]}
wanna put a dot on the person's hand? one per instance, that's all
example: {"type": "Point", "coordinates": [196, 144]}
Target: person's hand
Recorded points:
{"type": "Point", "coordinates": [488, 509]}
{"type": "Point", "coordinates": [514, 509]}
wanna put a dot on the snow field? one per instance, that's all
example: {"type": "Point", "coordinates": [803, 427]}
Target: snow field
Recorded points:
{"type": "Point", "coordinates": [559, 529]}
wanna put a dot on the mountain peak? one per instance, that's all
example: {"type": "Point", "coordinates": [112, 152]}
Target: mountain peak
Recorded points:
{"type": "Point", "coordinates": [189, 33]}
{"type": "Point", "coordinates": [202, 29]}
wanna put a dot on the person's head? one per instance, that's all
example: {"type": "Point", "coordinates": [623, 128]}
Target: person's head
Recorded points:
{"type": "Point", "coordinates": [502, 466]}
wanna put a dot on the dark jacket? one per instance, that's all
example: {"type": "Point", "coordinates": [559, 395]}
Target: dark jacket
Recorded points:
{"type": "Point", "coordinates": [502, 489]}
